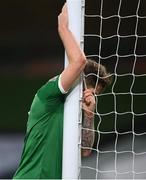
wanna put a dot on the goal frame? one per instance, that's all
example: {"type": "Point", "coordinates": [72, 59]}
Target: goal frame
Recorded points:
{"type": "Point", "coordinates": [72, 108]}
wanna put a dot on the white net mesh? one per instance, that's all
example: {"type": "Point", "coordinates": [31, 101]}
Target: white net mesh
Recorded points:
{"type": "Point", "coordinates": [115, 36]}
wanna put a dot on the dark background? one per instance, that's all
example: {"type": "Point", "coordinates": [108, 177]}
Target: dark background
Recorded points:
{"type": "Point", "coordinates": [31, 52]}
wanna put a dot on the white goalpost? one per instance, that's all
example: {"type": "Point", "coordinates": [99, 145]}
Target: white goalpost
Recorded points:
{"type": "Point", "coordinates": [72, 109]}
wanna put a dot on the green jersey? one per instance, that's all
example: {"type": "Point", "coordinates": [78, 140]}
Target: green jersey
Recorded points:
{"type": "Point", "coordinates": [42, 152]}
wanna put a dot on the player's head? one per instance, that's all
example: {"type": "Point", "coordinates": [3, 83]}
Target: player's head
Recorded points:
{"type": "Point", "coordinates": [96, 76]}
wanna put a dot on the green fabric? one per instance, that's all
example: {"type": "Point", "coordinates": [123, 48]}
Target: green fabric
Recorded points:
{"type": "Point", "coordinates": [42, 152]}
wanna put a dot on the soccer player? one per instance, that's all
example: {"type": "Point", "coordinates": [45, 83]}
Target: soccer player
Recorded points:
{"type": "Point", "coordinates": [92, 85]}
{"type": "Point", "coordinates": [42, 152]}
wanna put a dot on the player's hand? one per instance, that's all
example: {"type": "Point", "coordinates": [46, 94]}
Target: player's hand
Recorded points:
{"type": "Point", "coordinates": [88, 103]}
{"type": "Point", "coordinates": [63, 19]}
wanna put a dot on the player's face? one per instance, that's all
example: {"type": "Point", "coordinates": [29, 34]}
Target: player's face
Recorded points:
{"type": "Point", "coordinates": [96, 90]}
{"type": "Point", "coordinates": [92, 90]}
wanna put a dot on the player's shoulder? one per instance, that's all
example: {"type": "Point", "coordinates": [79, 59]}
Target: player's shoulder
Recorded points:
{"type": "Point", "coordinates": [57, 81]}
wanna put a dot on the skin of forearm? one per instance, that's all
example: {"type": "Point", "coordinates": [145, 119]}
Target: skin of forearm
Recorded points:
{"type": "Point", "coordinates": [74, 53]}
{"type": "Point", "coordinates": [88, 130]}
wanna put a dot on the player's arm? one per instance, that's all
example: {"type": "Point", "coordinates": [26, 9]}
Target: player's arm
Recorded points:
{"type": "Point", "coordinates": [76, 57]}
{"type": "Point", "coordinates": [88, 134]}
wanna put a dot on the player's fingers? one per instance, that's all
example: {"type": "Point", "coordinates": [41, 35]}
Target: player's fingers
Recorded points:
{"type": "Point", "coordinates": [87, 94]}
{"type": "Point", "coordinates": [87, 90]}
{"type": "Point", "coordinates": [64, 9]}
{"type": "Point", "coordinates": [63, 18]}
{"type": "Point", "coordinates": [88, 99]}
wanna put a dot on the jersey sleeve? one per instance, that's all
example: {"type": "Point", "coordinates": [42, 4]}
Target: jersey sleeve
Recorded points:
{"type": "Point", "coordinates": [52, 89]}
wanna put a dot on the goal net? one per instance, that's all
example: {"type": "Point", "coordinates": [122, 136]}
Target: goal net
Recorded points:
{"type": "Point", "coordinates": [115, 36]}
